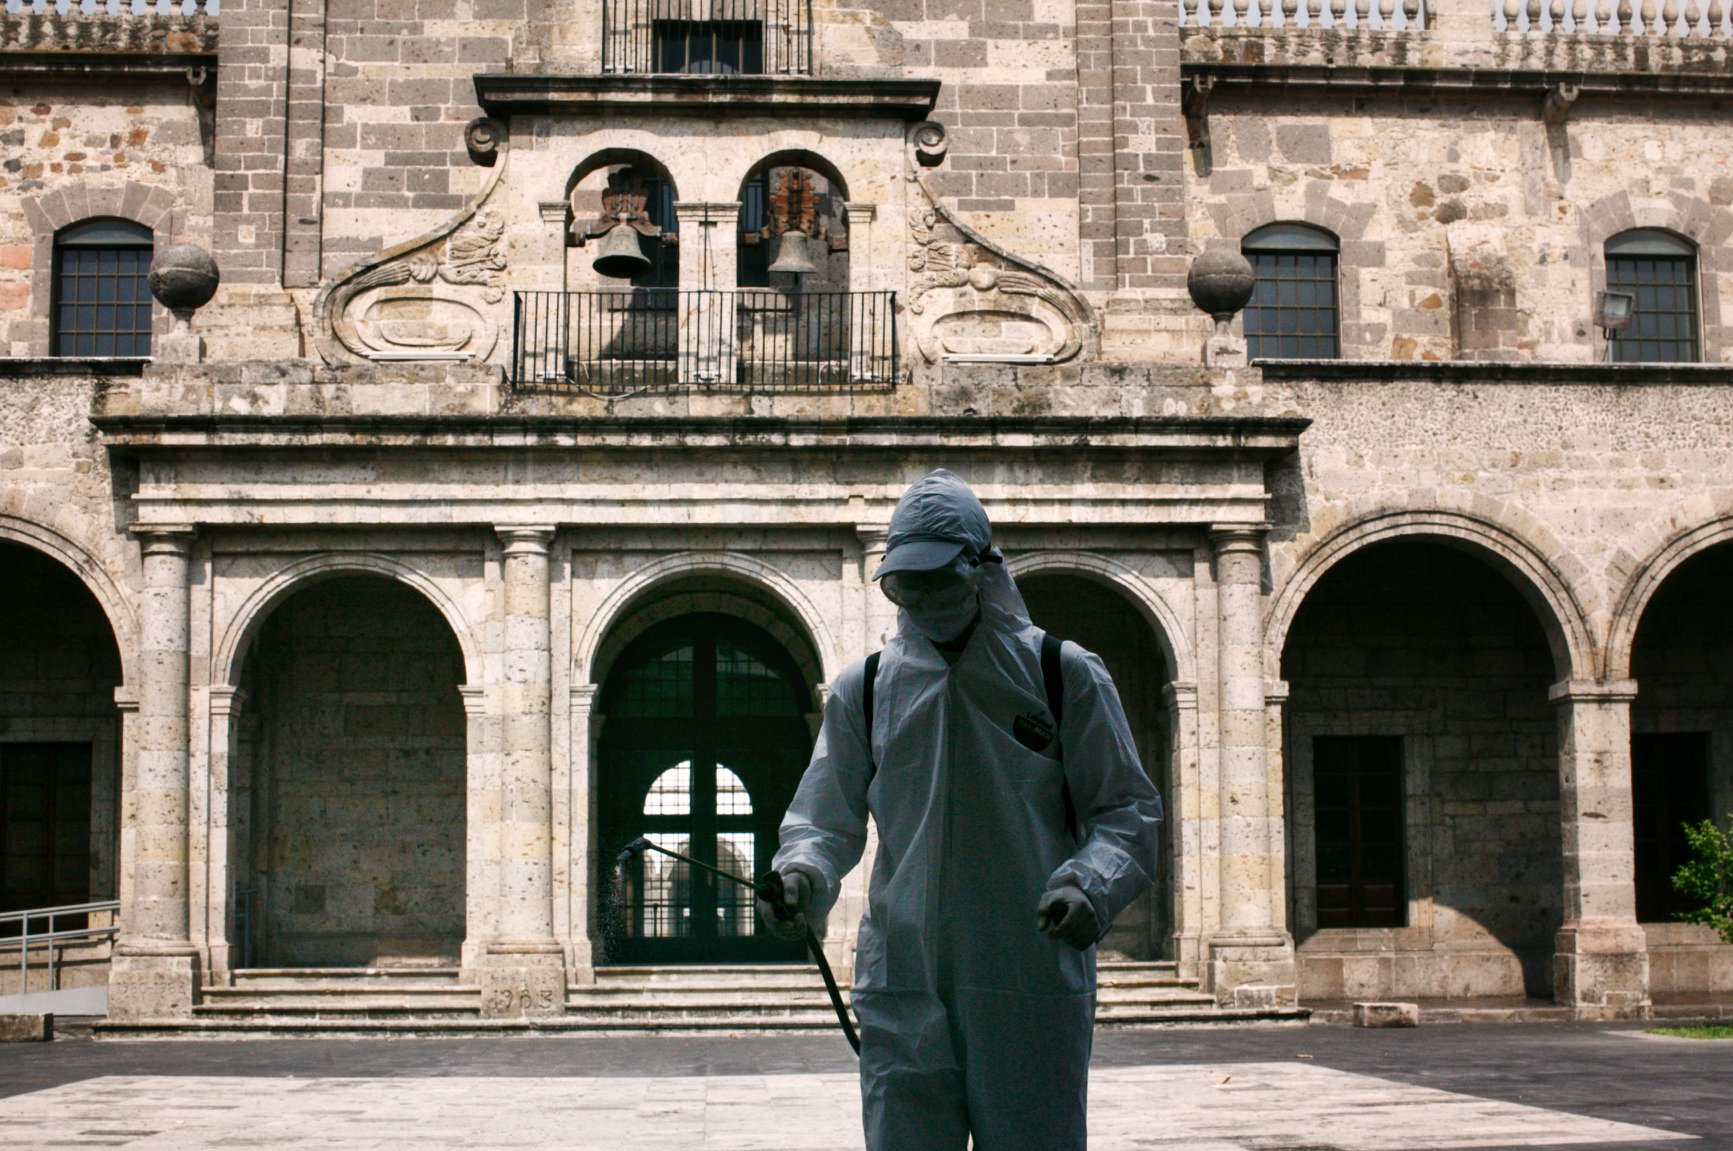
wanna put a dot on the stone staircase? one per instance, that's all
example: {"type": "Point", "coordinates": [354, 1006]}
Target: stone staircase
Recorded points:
{"type": "Point", "coordinates": [622, 1000]}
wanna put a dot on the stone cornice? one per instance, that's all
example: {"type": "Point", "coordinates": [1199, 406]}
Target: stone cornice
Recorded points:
{"type": "Point", "coordinates": [1243, 436]}
{"type": "Point", "coordinates": [1400, 79]}
{"type": "Point", "coordinates": [506, 94]}
{"type": "Point", "coordinates": [1478, 372]}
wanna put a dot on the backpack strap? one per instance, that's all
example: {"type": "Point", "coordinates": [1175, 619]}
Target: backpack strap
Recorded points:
{"type": "Point", "coordinates": [1053, 679]}
{"type": "Point", "coordinates": [866, 700]}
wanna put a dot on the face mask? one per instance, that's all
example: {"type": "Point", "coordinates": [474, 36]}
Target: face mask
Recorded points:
{"type": "Point", "coordinates": [943, 622]}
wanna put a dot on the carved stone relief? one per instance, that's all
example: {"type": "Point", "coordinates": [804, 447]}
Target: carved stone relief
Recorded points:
{"type": "Point", "coordinates": [430, 299]}
{"type": "Point", "coordinates": [972, 300]}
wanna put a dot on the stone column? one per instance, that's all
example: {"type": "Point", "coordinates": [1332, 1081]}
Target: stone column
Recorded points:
{"type": "Point", "coordinates": [879, 613]}
{"type": "Point", "coordinates": [1601, 959]}
{"type": "Point", "coordinates": [1183, 833]}
{"type": "Point", "coordinates": [525, 970]}
{"type": "Point", "coordinates": [1251, 957]}
{"type": "Point", "coordinates": [155, 971]}
{"type": "Point", "coordinates": [708, 239]}
{"type": "Point", "coordinates": [590, 873]}
{"type": "Point", "coordinates": [221, 913]}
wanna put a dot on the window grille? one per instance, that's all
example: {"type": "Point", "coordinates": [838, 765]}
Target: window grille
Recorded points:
{"type": "Point", "coordinates": [102, 301]}
{"type": "Point", "coordinates": [1659, 271]}
{"type": "Point", "coordinates": [1293, 311]}
{"type": "Point", "coordinates": [1357, 806]}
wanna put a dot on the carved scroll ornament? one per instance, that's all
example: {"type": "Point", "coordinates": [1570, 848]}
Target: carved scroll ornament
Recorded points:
{"type": "Point", "coordinates": [974, 301]}
{"type": "Point", "coordinates": [430, 299]}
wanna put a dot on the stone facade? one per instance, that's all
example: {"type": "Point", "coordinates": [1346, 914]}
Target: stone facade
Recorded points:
{"type": "Point", "coordinates": [374, 563]}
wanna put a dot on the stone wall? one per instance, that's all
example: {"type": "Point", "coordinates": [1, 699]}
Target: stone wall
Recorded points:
{"type": "Point", "coordinates": [1425, 193]}
{"type": "Point", "coordinates": [358, 791]}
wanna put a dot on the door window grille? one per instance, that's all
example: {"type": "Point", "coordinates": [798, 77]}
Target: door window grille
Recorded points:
{"type": "Point", "coordinates": [102, 301]}
{"type": "Point", "coordinates": [1659, 271]}
{"type": "Point", "coordinates": [1357, 804]}
{"type": "Point", "coordinates": [1293, 311]}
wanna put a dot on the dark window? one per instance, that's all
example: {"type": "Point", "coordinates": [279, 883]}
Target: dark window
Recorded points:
{"type": "Point", "coordinates": [1659, 270]}
{"type": "Point", "coordinates": [664, 258]}
{"type": "Point", "coordinates": [752, 264]}
{"type": "Point", "coordinates": [1292, 314]}
{"type": "Point", "coordinates": [1669, 788]}
{"type": "Point", "coordinates": [101, 298]}
{"type": "Point", "coordinates": [1357, 802]}
{"type": "Point", "coordinates": [709, 47]}
{"type": "Point", "coordinates": [44, 825]}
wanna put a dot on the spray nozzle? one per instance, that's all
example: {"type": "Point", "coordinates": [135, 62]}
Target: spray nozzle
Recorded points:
{"type": "Point", "coordinates": [632, 851]}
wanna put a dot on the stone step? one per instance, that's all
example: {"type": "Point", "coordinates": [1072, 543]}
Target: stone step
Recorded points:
{"type": "Point", "coordinates": [286, 1002]}
{"type": "Point", "coordinates": [744, 975]}
{"type": "Point", "coordinates": [408, 979]}
{"type": "Point", "coordinates": [335, 990]}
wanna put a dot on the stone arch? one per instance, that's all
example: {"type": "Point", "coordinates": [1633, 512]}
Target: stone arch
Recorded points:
{"type": "Point", "coordinates": [797, 158]}
{"type": "Point", "coordinates": [92, 574]}
{"type": "Point", "coordinates": [1156, 611]}
{"type": "Point", "coordinates": [609, 157]}
{"type": "Point", "coordinates": [1647, 579]}
{"type": "Point", "coordinates": [594, 634]}
{"type": "Point", "coordinates": [52, 212]}
{"type": "Point", "coordinates": [1705, 225]}
{"type": "Point", "coordinates": [243, 626]}
{"type": "Point", "coordinates": [1535, 577]}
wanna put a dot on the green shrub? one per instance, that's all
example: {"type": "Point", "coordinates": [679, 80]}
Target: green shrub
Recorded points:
{"type": "Point", "coordinates": [1707, 880]}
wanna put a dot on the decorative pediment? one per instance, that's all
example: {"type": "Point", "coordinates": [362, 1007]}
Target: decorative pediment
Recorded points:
{"type": "Point", "coordinates": [972, 300]}
{"type": "Point", "coordinates": [431, 298]}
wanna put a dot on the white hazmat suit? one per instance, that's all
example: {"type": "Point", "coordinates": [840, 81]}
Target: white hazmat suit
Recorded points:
{"type": "Point", "coordinates": [973, 1022]}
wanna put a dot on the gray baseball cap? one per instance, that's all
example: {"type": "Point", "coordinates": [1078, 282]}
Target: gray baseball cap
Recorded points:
{"type": "Point", "coordinates": [937, 520]}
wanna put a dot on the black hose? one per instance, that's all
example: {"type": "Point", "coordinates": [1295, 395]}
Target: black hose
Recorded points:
{"type": "Point", "coordinates": [770, 890]}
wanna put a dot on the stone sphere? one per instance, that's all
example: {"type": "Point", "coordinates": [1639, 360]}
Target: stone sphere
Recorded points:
{"type": "Point", "coordinates": [183, 277]}
{"type": "Point", "coordinates": [1221, 282]}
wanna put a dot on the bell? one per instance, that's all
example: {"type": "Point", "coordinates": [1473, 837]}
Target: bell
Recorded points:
{"type": "Point", "coordinates": [794, 255]}
{"type": "Point", "coordinates": [619, 255]}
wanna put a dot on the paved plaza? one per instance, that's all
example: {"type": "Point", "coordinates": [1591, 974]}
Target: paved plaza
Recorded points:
{"type": "Point", "coordinates": [1320, 1088]}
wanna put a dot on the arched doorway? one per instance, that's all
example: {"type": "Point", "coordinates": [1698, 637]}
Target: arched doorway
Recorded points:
{"type": "Point", "coordinates": [349, 793]}
{"type": "Point", "coordinates": [1682, 757]}
{"type": "Point", "coordinates": [59, 738]}
{"type": "Point", "coordinates": [1102, 620]}
{"type": "Point", "coordinates": [703, 743]}
{"type": "Point", "coordinates": [1421, 757]}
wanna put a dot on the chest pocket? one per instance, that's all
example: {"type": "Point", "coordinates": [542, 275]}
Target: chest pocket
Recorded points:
{"type": "Point", "coordinates": [1032, 730]}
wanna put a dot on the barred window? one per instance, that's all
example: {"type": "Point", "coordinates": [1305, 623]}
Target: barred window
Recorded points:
{"type": "Point", "coordinates": [102, 301]}
{"type": "Point", "coordinates": [1292, 314]}
{"type": "Point", "coordinates": [1658, 270]}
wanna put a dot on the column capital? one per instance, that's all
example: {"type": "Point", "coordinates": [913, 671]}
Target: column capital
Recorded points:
{"type": "Point", "coordinates": [584, 697]}
{"type": "Point", "coordinates": [525, 539]}
{"type": "Point", "coordinates": [860, 212]}
{"type": "Point", "coordinates": [226, 700]}
{"type": "Point", "coordinates": [1229, 538]}
{"type": "Point", "coordinates": [1275, 692]}
{"type": "Point", "coordinates": [164, 539]}
{"type": "Point", "coordinates": [474, 699]}
{"type": "Point", "coordinates": [1593, 691]}
{"type": "Point", "coordinates": [126, 698]}
{"type": "Point", "coordinates": [707, 211]}
{"type": "Point", "coordinates": [873, 537]}
{"type": "Point", "coordinates": [1180, 696]}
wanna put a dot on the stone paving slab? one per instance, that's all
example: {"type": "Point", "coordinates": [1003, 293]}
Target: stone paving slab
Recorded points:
{"type": "Point", "coordinates": [1198, 1107]}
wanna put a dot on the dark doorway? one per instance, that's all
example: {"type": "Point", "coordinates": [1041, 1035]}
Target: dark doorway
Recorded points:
{"type": "Point", "coordinates": [1357, 804]}
{"type": "Point", "coordinates": [703, 746]}
{"type": "Point", "coordinates": [44, 825]}
{"type": "Point", "coordinates": [1670, 788]}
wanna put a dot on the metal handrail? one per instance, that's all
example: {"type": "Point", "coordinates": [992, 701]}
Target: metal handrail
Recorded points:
{"type": "Point", "coordinates": [25, 939]}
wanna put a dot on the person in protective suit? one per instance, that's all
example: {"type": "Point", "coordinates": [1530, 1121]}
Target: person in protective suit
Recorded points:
{"type": "Point", "coordinates": [1007, 845]}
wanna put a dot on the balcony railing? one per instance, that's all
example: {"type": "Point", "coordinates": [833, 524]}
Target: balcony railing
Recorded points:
{"type": "Point", "coordinates": [1365, 15]}
{"type": "Point", "coordinates": [707, 37]}
{"type": "Point", "coordinates": [166, 8]}
{"type": "Point", "coordinates": [1691, 19]}
{"type": "Point", "coordinates": [661, 339]}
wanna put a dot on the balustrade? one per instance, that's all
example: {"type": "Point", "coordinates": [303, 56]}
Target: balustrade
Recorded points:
{"type": "Point", "coordinates": [1373, 15]}
{"type": "Point", "coordinates": [166, 8]}
{"type": "Point", "coordinates": [1692, 19]}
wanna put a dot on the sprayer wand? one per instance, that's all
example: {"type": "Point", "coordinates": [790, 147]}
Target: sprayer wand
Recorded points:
{"type": "Point", "coordinates": [770, 890]}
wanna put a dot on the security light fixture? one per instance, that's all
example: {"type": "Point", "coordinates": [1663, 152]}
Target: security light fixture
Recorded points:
{"type": "Point", "coordinates": [1613, 311]}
